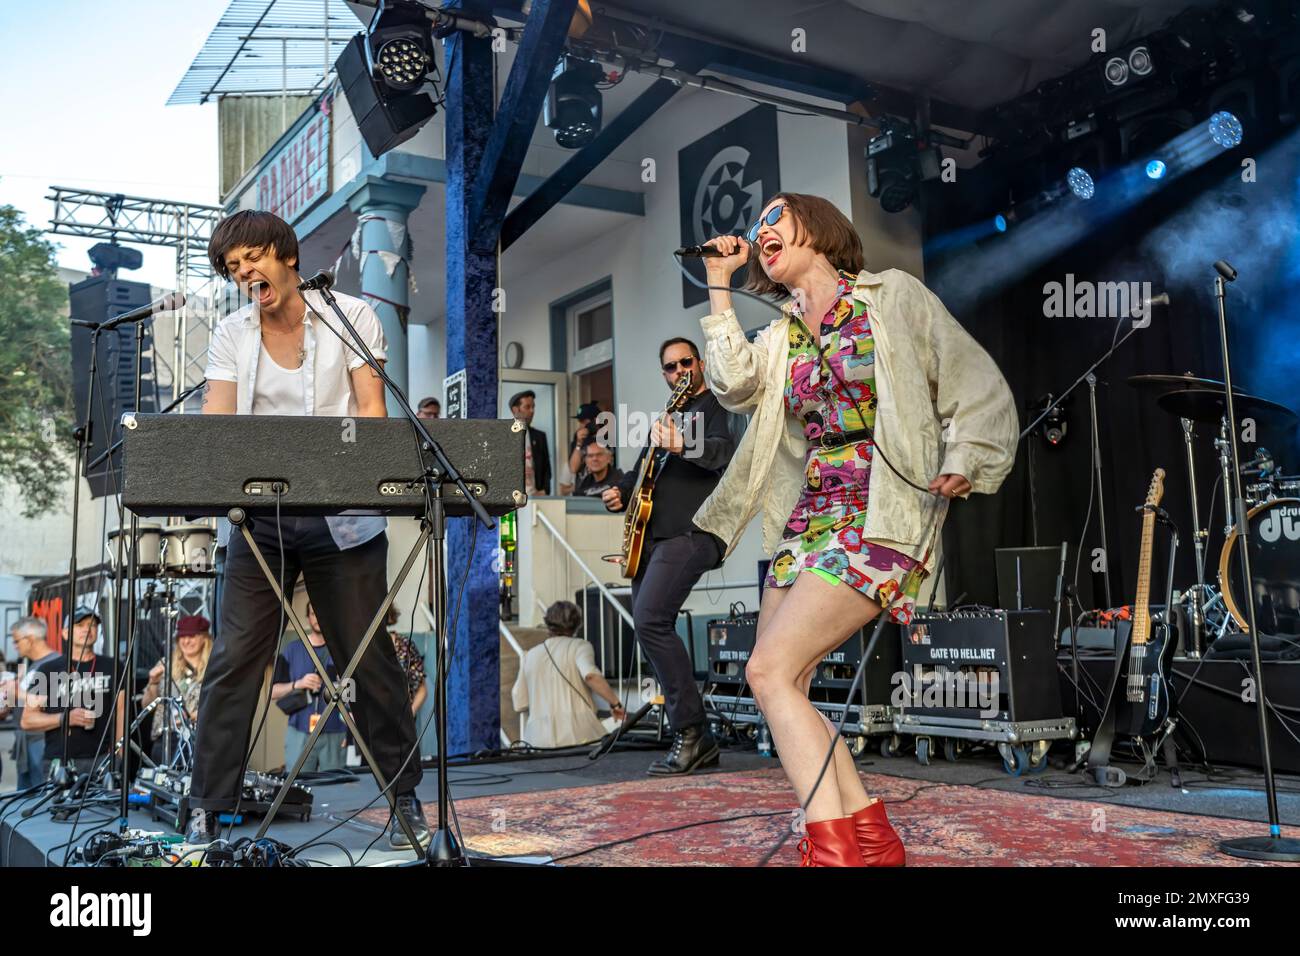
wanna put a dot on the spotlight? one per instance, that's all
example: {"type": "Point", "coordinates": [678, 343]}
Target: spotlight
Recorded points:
{"type": "Point", "coordinates": [1139, 60]}
{"type": "Point", "coordinates": [1080, 183]}
{"type": "Point", "coordinates": [1127, 67]}
{"type": "Point", "coordinates": [1000, 222]}
{"type": "Point", "coordinates": [1225, 129]}
{"type": "Point", "coordinates": [381, 73]}
{"type": "Point", "coordinates": [897, 164]}
{"type": "Point", "coordinates": [1116, 71]}
{"type": "Point", "coordinates": [1155, 169]}
{"type": "Point", "coordinates": [402, 63]}
{"type": "Point", "coordinates": [573, 104]}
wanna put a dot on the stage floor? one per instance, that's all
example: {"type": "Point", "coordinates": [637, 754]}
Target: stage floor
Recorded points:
{"type": "Point", "coordinates": [604, 813]}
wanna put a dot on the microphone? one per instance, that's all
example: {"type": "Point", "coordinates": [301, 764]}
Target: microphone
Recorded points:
{"type": "Point", "coordinates": [699, 252]}
{"type": "Point", "coordinates": [1225, 270]}
{"type": "Point", "coordinates": [1143, 308]}
{"type": "Point", "coordinates": [320, 281]}
{"type": "Point", "coordinates": [168, 303]}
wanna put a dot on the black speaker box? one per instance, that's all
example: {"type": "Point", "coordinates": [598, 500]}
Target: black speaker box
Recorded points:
{"type": "Point", "coordinates": [99, 299]}
{"type": "Point", "coordinates": [385, 121]}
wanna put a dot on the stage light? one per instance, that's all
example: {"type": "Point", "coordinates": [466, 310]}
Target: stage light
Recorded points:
{"type": "Point", "coordinates": [897, 164]}
{"type": "Point", "coordinates": [1080, 183]}
{"type": "Point", "coordinates": [1126, 68]}
{"type": "Point", "coordinates": [402, 63]}
{"type": "Point", "coordinates": [1116, 71]}
{"type": "Point", "coordinates": [1000, 222]}
{"type": "Point", "coordinates": [1139, 61]}
{"type": "Point", "coordinates": [1225, 129]}
{"type": "Point", "coordinates": [573, 104]}
{"type": "Point", "coordinates": [1155, 169]}
{"type": "Point", "coordinates": [382, 71]}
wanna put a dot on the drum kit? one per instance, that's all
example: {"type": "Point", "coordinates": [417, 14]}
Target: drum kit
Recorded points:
{"type": "Point", "coordinates": [179, 557]}
{"type": "Point", "coordinates": [165, 551]}
{"type": "Point", "coordinates": [1272, 514]}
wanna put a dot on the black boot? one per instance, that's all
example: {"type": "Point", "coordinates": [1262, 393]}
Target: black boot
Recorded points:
{"type": "Point", "coordinates": [409, 807]}
{"type": "Point", "coordinates": [692, 749]}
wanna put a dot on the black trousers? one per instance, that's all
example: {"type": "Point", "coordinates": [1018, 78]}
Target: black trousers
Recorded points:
{"type": "Point", "coordinates": [668, 572]}
{"type": "Point", "coordinates": [346, 588]}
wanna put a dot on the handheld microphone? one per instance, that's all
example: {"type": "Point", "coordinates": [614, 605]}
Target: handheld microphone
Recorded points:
{"type": "Point", "coordinates": [699, 252]}
{"type": "Point", "coordinates": [1225, 270]}
{"type": "Point", "coordinates": [320, 281]}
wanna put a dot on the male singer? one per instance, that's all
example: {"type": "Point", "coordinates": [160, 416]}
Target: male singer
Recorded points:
{"type": "Point", "coordinates": [285, 354]}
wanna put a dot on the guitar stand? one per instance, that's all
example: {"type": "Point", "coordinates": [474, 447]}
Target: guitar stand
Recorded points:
{"type": "Point", "coordinates": [243, 521]}
{"type": "Point", "coordinates": [1099, 768]}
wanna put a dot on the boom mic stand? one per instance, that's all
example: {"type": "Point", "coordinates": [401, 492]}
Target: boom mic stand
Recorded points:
{"type": "Point", "coordinates": [443, 849]}
{"type": "Point", "coordinates": [1274, 846]}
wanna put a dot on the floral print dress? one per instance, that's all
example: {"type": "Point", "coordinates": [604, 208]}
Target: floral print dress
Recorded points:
{"type": "Point", "coordinates": [824, 533]}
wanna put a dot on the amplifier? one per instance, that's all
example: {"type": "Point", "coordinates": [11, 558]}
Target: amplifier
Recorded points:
{"type": "Point", "coordinates": [981, 663]}
{"type": "Point", "coordinates": [196, 465]}
{"type": "Point", "coordinates": [731, 641]}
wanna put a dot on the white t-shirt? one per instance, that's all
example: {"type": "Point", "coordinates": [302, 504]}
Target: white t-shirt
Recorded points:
{"type": "Point", "coordinates": [279, 390]}
{"type": "Point", "coordinates": [552, 687]}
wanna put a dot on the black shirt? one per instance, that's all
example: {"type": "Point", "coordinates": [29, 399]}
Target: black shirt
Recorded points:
{"type": "Point", "coordinates": [687, 479]}
{"type": "Point", "coordinates": [90, 686]}
{"type": "Point", "coordinates": [588, 485]}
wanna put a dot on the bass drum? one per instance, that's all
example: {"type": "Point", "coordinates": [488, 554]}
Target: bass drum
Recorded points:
{"type": "Point", "coordinates": [1274, 564]}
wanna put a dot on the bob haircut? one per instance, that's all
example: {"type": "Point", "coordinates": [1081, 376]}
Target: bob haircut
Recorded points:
{"type": "Point", "coordinates": [819, 224]}
{"type": "Point", "coordinates": [255, 229]}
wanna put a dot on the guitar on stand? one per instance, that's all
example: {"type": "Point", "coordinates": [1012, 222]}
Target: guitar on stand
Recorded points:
{"type": "Point", "coordinates": [636, 520]}
{"type": "Point", "coordinates": [1140, 703]}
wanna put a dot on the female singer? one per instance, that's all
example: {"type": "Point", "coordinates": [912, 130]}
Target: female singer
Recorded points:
{"type": "Point", "coordinates": [861, 372]}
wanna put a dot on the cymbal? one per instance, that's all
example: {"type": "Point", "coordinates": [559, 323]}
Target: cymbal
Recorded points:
{"type": "Point", "coordinates": [1208, 405]}
{"type": "Point", "coordinates": [1173, 383]}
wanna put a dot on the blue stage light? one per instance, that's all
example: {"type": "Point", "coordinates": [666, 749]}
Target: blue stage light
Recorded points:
{"type": "Point", "coordinates": [1080, 182]}
{"type": "Point", "coordinates": [1225, 129]}
{"type": "Point", "coordinates": [1000, 222]}
{"type": "Point", "coordinates": [1155, 169]}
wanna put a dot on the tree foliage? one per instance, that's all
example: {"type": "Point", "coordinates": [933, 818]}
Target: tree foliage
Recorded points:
{"type": "Point", "coordinates": [35, 372]}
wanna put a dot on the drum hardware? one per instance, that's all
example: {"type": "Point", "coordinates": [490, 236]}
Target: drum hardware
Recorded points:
{"type": "Point", "coordinates": [187, 550]}
{"type": "Point", "coordinates": [148, 550]}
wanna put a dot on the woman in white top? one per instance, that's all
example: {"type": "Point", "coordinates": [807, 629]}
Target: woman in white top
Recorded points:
{"type": "Point", "coordinates": [861, 375]}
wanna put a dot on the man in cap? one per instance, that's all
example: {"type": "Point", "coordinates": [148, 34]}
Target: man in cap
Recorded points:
{"type": "Point", "coordinates": [71, 703]}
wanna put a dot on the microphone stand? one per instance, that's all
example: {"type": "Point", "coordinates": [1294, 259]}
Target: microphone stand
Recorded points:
{"type": "Point", "coordinates": [1090, 376]}
{"type": "Point", "coordinates": [443, 849]}
{"type": "Point", "coordinates": [1274, 846]}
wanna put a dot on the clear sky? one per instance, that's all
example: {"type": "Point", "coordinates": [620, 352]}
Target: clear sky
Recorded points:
{"type": "Point", "coordinates": [84, 86]}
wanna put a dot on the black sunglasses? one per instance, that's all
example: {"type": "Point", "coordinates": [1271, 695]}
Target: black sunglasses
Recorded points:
{"type": "Point", "coordinates": [684, 363]}
{"type": "Point", "coordinates": [770, 219]}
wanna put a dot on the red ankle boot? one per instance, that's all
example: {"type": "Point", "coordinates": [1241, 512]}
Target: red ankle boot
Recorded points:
{"type": "Point", "coordinates": [830, 843]}
{"type": "Point", "coordinates": [878, 841]}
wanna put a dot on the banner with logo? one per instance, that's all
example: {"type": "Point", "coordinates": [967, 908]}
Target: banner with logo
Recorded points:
{"type": "Point", "coordinates": [725, 178]}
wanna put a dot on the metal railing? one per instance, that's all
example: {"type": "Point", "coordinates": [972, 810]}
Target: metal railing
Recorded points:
{"type": "Point", "coordinates": [607, 599]}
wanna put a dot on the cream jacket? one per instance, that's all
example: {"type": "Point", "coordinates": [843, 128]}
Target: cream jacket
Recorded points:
{"type": "Point", "coordinates": [935, 386]}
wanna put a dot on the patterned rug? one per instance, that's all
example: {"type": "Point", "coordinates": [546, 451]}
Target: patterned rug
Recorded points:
{"type": "Point", "coordinates": [941, 825]}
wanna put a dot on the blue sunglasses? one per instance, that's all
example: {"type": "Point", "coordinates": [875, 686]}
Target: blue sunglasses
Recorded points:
{"type": "Point", "coordinates": [770, 219]}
